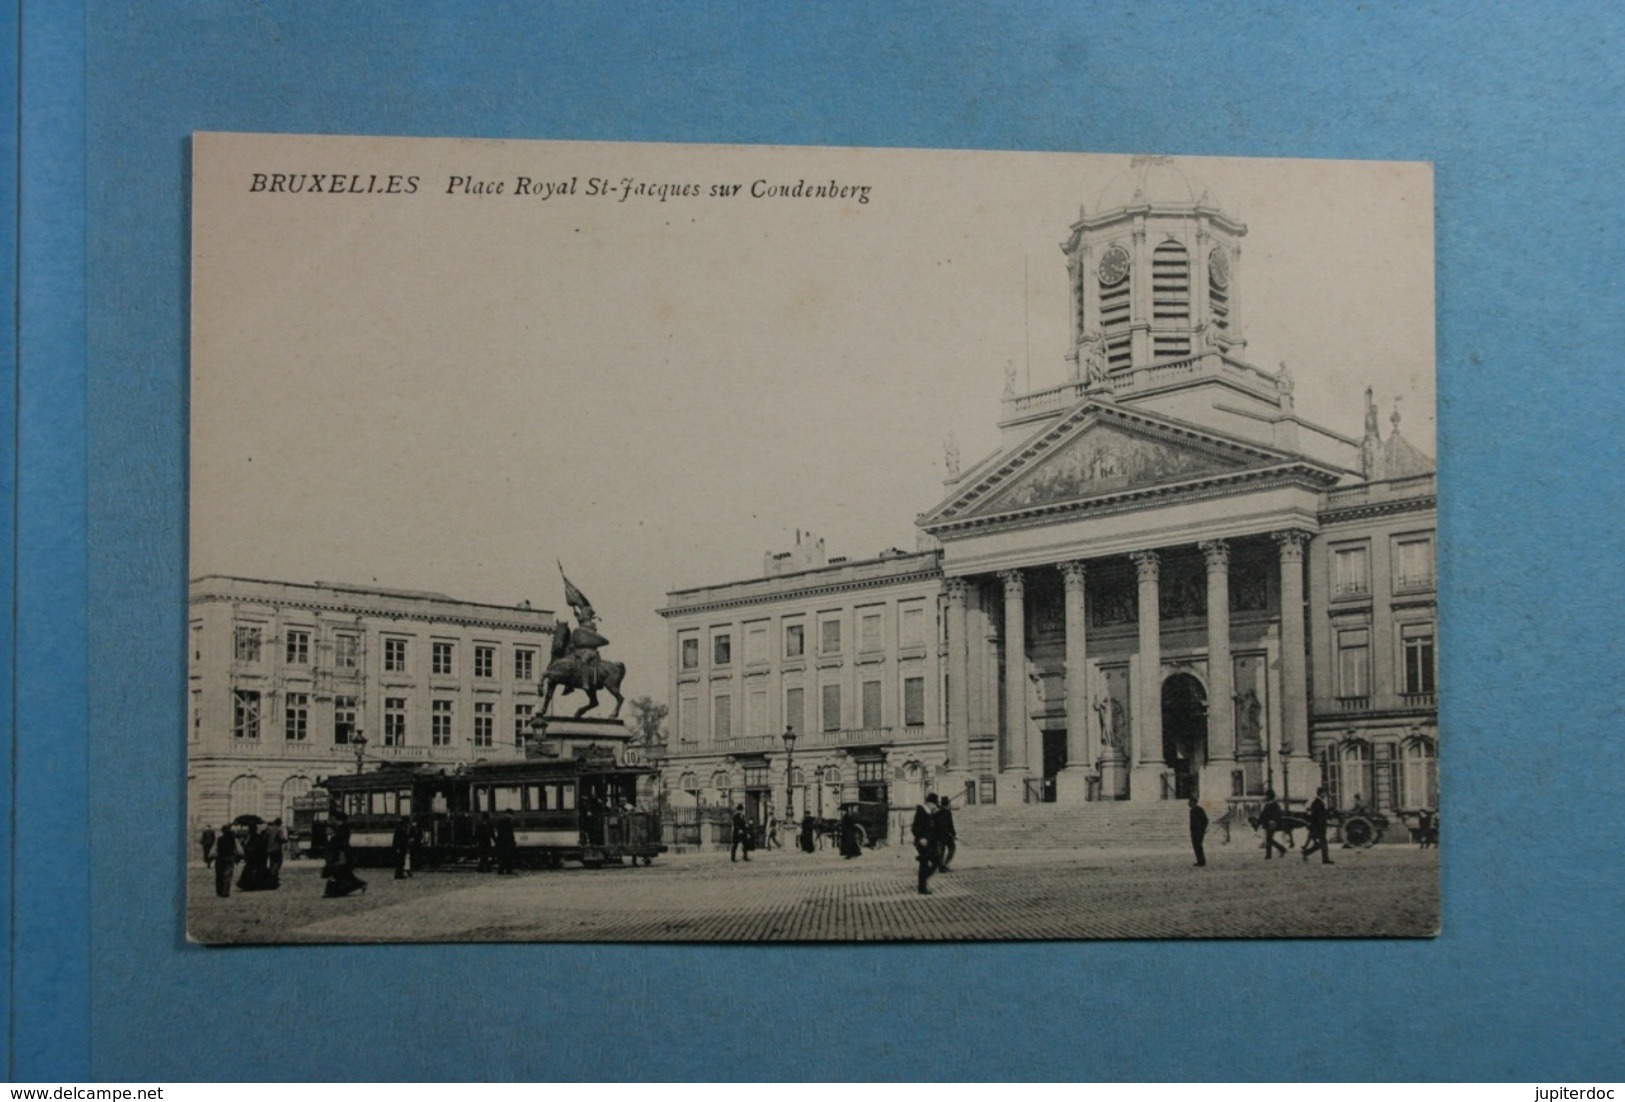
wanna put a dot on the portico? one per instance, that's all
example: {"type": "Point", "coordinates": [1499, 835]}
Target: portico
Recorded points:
{"type": "Point", "coordinates": [1130, 617]}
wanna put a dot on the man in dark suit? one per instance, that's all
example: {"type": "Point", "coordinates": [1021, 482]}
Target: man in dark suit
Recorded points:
{"type": "Point", "coordinates": [507, 846]}
{"type": "Point", "coordinates": [947, 836]}
{"type": "Point", "coordinates": [741, 832]}
{"type": "Point", "coordinates": [225, 860]}
{"type": "Point", "coordinates": [1319, 813]}
{"type": "Point", "coordinates": [401, 843]}
{"type": "Point", "coordinates": [1270, 819]}
{"type": "Point", "coordinates": [484, 836]}
{"type": "Point", "coordinates": [206, 840]}
{"type": "Point", "coordinates": [1198, 831]}
{"type": "Point", "coordinates": [924, 830]}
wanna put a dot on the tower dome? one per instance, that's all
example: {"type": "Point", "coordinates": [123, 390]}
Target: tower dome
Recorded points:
{"type": "Point", "coordinates": [1151, 181]}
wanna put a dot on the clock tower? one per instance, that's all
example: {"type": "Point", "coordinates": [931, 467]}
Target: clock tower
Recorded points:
{"type": "Point", "coordinates": [1154, 273]}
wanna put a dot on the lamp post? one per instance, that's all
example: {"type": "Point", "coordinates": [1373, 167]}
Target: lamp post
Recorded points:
{"type": "Point", "coordinates": [789, 772]}
{"type": "Point", "coordinates": [359, 741]}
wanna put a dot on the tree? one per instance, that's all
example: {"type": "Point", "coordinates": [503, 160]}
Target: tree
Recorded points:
{"type": "Point", "coordinates": [648, 721]}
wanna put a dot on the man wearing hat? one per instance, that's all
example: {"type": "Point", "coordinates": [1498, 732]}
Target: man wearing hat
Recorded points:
{"type": "Point", "coordinates": [925, 839]}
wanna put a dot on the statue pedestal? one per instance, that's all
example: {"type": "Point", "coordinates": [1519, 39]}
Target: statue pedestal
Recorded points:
{"type": "Point", "coordinates": [1072, 784]}
{"type": "Point", "coordinates": [564, 738]}
{"type": "Point", "coordinates": [1113, 778]}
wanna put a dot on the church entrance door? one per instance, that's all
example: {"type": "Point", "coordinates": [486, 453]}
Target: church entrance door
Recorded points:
{"type": "Point", "coordinates": [1184, 731]}
{"type": "Point", "coordinates": [1054, 761]}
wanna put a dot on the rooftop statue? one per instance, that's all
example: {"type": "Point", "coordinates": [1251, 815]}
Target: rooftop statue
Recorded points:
{"type": "Point", "coordinates": [575, 662]}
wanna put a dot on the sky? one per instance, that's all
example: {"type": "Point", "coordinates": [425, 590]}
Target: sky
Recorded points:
{"type": "Point", "coordinates": [441, 386]}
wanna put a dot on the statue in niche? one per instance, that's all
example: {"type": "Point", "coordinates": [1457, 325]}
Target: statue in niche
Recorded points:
{"type": "Point", "coordinates": [1283, 385]}
{"type": "Point", "coordinates": [1249, 718]}
{"type": "Point", "coordinates": [1110, 714]}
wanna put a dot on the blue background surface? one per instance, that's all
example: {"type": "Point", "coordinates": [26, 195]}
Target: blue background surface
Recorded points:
{"type": "Point", "coordinates": [1519, 106]}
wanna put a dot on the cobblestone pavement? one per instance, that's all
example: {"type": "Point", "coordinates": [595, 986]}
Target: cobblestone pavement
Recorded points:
{"type": "Point", "coordinates": [1387, 891]}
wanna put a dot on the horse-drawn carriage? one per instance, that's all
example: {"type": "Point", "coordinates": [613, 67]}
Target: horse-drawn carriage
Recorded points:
{"type": "Point", "coordinates": [1357, 828]}
{"type": "Point", "coordinates": [872, 820]}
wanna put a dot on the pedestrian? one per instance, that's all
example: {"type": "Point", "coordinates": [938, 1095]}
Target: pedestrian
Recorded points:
{"type": "Point", "coordinates": [851, 838]}
{"type": "Point", "coordinates": [809, 833]}
{"type": "Point", "coordinates": [947, 837]}
{"type": "Point", "coordinates": [256, 875]}
{"type": "Point", "coordinates": [1318, 816]}
{"type": "Point", "coordinates": [206, 840]}
{"type": "Point", "coordinates": [276, 840]}
{"type": "Point", "coordinates": [1270, 819]}
{"type": "Point", "coordinates": [507, 846]}
{"type": "Point", "coordinates": [401, 844]}
{"type": "Point", "coordinates": [1198, 831]}
{"type": "Point", "coordinates": [741, 834]}
{"type": "Point", "coordinates": [773, 831]}
{"type": "Point", "coordinates": [925, 839]}
{"type": "Point", "coordinates": [484, 838]}
{"type": "Point", "coordinates": [339, 871]}
{"type": "Point", "coordinates": [225, 857]}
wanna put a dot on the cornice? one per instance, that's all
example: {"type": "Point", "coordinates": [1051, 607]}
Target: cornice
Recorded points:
{"type": "Point", "coordinates": [1301, 474]}
{"type": "Point", "coordinates": [776, 596]}
{"type": "Point", "coordinates": [375, 614]}
{"type": "Point", "coordinates": [1374, 509]}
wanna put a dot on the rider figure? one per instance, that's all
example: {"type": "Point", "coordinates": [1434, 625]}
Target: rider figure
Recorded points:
{"type": "Point", "coordinates": [584, 644]}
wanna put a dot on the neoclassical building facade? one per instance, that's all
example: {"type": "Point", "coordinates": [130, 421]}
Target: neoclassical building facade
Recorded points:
{"type": "Point", "coordinates": [289, 683]}
{"type": "Point", "coordinates": [1164, 582]}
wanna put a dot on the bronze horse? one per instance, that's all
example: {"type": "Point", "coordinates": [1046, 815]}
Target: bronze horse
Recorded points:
{"type": "Point", "coordinates": [565, 671]}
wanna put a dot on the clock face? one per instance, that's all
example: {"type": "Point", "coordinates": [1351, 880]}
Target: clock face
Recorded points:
{"type": "Point", "coordinates": [1113, 266]}
{"type": "Point", "coordinates": [1218, 269]}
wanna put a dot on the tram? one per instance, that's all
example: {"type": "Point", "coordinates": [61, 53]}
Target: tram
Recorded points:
{"type": "Point", "coordinates": [581, 808]}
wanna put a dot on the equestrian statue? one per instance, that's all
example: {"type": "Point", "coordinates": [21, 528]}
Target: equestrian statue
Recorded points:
{"type": "Point", "coordinates": [575, 663]}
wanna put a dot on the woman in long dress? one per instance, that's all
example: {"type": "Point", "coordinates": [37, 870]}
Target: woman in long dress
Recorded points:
{"type": "Point", "coordinates": [257, 876]}
{"type": "Point", "coordinates": [340, 868]}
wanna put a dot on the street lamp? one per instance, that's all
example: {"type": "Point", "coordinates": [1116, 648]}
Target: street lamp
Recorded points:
{"type": "Point", "coordinates": [789, 772]}
{"type": "Point", "coordinates": [359, 741]}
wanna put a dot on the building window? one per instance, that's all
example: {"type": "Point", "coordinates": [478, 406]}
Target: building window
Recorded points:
{"type": "Point", "coordinates": [197, 714]}
{"type": "Point", "coordinates": [485, 722]}
{"type": "Point", "coordinates": [1349, 773]}
{"type": "Point", "coordinates": [795, 708]}
{"type": "Point", "coordinates": [1416, 640]}
{"type": "Point", "coordinates": [245, 714]}
{"type": "Point", "coordinates": [344, 709]}
{"type": "Point", "coordinates": [691, 654]}
{"type": "Point", "coordinates": [1354, 664]}
{"type": "Point", "coordinates": [524, 664]}
{"type": "Point", "coordinates": [394, 721]}
{"type": "Point", "coordinates": [869, 633]}
{"type": "Point", "coordinates": [795, 640]}
{"type": "Point", "coordinates": [1420, 777]}
{"type": "Point", "coordinates": [1351, 572]}
{"type": "Point", "coordinates": [296, 717]}
{"type": "Point", "coordinates": [871, 705]}
{"type": "Point", "coordinates": [298, 648]}
{"type": "Point", "coordinates": [722, 651]}
{"type": "Point", "coordinates": [394, 655]}
{"type": "Point", "coordinates": [485, 661]}
{"type": "Point", "coordinates": [688, 719]}
{"type": "Point", "coordinates": [914, 701]}
{"type": "Point", "coordinates": [197, 642]}
{"type": "Point", "coordinates": [346, 652]}
{"type": "Point", "coordinates": [440, 723]}
{"type": "Point", "coordinates": [1413, 563]}
{"type": "Point", "coordinates": [756, 643]}
{"type": "Point", "coordinates": [829, 640]}
{"type": "Point", "coordinates": [246, 643]}
{"type": "Point", "coordinates": [1116, 306]}
{"type": "Point", "coordinates": [756, 712]}
{"type": "Point", "coordinates": [872, 771]}
{"type": "Point", "coordinates": [521, 722]}
{"type": "Point", "coordinates": [911, 629]}
{"type": "Point", "coordinates": [722, 710]}
{"type": "Point", "coordinates": [443, 660]}
{"type": "Point", "coordinates": [756, 776]}
{"type": "Point", "coordinates": [832, 707]}
{"type": "Point", "coordinates": [1218, 289]}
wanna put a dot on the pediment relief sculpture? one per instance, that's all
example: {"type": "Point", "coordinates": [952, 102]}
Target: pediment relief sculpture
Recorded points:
{"type": "Point", "coordinates": [1104, 461]}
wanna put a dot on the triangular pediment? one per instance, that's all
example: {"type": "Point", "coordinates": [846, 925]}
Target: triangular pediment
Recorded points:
{"type": "Point", "coordinates": [1098, 450]}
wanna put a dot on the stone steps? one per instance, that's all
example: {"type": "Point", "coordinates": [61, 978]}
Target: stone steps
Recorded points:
{"type": "Point", "coordinates": [1073, 826]}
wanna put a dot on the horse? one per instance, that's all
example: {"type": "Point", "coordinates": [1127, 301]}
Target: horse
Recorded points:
{"type": "Point", "coordinates": [1288, 822]}
{"type": "Point", "coordinates": [564, 671]}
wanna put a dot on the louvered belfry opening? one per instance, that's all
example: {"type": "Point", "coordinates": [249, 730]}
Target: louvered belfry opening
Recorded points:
{"type": "Point", "coordinates": [1170, 300]}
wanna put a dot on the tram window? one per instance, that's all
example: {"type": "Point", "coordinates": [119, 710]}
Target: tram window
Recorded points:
{"type": "Point", "coordinates": [535, 797]}
{"type": "Point", "coordinates": [507, 797]}
{"type": "Point", "coordinates": [479, 799]}
{"type": "Point", "coordinates": [567, 797]}
{"type": "Point", "coordinates": [356, 803]}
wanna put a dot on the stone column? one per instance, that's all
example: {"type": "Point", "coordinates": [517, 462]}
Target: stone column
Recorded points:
{"type": "Point", "coordinates": [1297, 773]}
{"type": "Point", "coordinates": [1016, 720]}
{"type": "Point", "coordinates": [958, 679]}
{"type": "Point", "coordinates": [1072, 785]}
{"type": "Point", "coordinates": [1221, 709]}
{"type": "Point", "coordinates": [1148, 764]}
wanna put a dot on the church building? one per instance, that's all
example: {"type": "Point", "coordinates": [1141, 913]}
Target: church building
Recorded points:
{"type": "Point", "coordinates": [1164, 582]}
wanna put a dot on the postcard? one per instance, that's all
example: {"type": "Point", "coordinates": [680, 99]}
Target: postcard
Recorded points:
{"type": "Point", "coordinates": [632, 542]}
